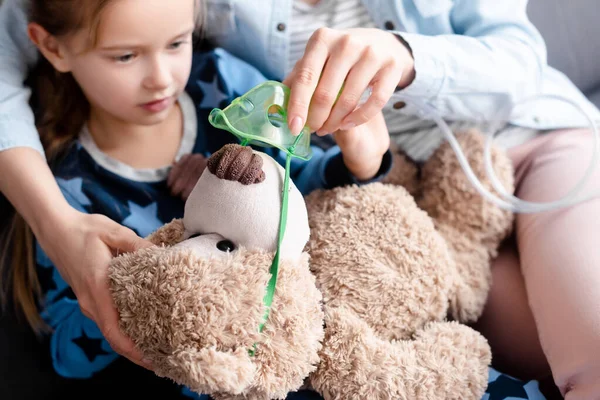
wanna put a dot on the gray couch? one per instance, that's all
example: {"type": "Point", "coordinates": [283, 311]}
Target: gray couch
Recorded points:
{"type": "Point", "coordinates": [571, 29]}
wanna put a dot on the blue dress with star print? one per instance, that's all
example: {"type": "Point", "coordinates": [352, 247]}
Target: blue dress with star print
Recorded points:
{"type": "Point", "coordinates": [76, 343]}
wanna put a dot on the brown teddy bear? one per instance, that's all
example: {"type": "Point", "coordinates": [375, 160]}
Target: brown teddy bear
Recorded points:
{"type": "Point", "coordinates": [194, 304]}
{"type": "Point", "coordinates": [367, 320]}
{"type": "Point", "coordinates": [399, 273]}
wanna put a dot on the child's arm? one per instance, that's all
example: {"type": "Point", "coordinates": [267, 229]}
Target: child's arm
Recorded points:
{"type": "Point", "coordinates": [363, 148]}
{"type": "Point", "coordinates": [326, 169]}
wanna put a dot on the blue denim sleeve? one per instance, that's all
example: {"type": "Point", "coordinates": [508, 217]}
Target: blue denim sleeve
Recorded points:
{"type": "Point", "coordinates": [17, 56]}
{"type": "Point", "coordinates": [78, 348]}
{"type": "Point", "coordinates": [496, 57]}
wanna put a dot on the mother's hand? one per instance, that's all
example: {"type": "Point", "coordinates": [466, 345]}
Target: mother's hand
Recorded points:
{"type": "Point", "coordinates": [81, 247]}
{"type": "Point", "coordinates": [355, 58]}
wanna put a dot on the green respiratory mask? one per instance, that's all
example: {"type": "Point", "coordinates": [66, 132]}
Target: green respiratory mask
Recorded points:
{"type": "Point", "coordinates": [259, 118]}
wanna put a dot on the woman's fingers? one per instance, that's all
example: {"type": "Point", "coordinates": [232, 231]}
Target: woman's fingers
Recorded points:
{"type": "Point", "coordinates": [107, 319]}
{"type": "Point", "coordinates": [121, 239]}
{"type": "Point", "coordinates": [357, 82]}
{"type": "Point", "coordinates": [354, 60]}
{"type": "Point", "coordinates": [105, 239]}
{"type": "Point", "coordinates": [383, 85]}
{"type": "Point", "coordinates": [344, 55]}
{"type": "Point", "coordinates": [304, 79]}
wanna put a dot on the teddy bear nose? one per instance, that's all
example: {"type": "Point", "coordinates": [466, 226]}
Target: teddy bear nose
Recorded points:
{"type": "Point", "coordinates": [237, 163]}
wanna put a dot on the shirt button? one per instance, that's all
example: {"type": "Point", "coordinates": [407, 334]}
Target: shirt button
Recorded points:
{"type": "Point", "coordinates": [398, 105]}
{"type": "Point", "coordinates": [389, 25]}
{"type": "Point", "coordinates": [281, 27]}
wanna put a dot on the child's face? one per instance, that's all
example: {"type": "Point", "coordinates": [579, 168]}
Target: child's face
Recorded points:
{"type": "Point", "coordinates": [141, 61]}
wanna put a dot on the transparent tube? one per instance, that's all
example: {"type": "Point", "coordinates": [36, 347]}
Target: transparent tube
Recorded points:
{"type": "Point", "coordinates": [507, 200]}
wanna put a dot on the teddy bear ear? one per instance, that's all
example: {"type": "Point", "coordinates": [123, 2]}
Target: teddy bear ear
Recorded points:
{"type": "Point", "coordinates": [168, 234]}
{"type": "Point", "coordinates": [211, 371]}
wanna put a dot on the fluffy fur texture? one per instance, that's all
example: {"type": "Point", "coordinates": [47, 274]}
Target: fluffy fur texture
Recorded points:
{"type": "Point", "coordinates": [196, 319]}
{"type": "Point", "coordinates": [195, 310]}
{"type": "Point", "coordinates": [404, 172]}
{"type": "Point", "coordinates": [391, 272]}
{"type": "Point", "coordinates": [390, 263]}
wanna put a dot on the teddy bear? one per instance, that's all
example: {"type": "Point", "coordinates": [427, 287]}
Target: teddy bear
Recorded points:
{"type": "Point", "coordinates": [194, 304]}
{"type": "Point", "coordinates": [376, 285]}
{"type": "Point", "coordinates": [403, 267]}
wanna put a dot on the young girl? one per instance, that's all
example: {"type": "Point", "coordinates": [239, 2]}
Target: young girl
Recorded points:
{"type": "Point", "coordinates": [118, 104]}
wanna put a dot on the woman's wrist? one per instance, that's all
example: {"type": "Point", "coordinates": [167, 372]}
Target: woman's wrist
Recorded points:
{"type": "Point", "coordinates": [406, 57]}
{"type": "Point", "coordinates": [46, 224]}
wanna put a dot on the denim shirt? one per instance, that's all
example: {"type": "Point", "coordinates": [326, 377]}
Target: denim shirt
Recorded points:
{"type": "Point", "coordinates": [471, 58]}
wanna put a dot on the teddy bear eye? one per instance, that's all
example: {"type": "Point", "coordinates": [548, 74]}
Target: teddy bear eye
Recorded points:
{"type": "Point", "coordinates": [226, 246]}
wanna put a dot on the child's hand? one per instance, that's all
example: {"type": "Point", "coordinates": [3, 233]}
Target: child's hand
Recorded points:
{"type": "Point", "coordinates": [363, 147]}
{"type": "Point", "coordinates": [185, 173]}
{"type": "Point", "coordinates": [356, 58]}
